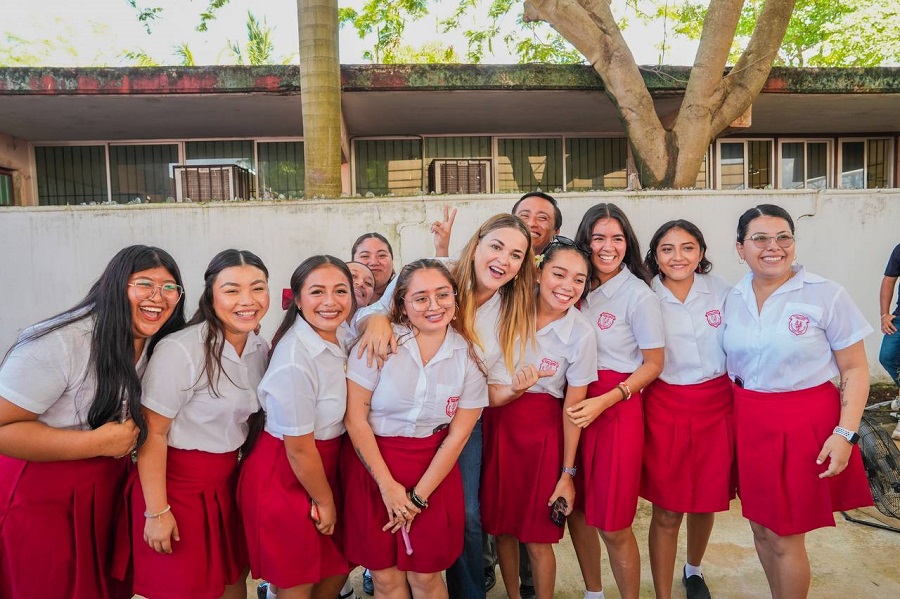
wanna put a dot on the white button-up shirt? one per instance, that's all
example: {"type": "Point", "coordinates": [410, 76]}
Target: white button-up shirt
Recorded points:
{"type": "Point", "coordinates": [789, 344]}
{"type": "Point", "coordinates": [412, 400]}
{"type": "Point", "coordinates": [52, 376]}
{"type": "Point", "coordinates": [305, 388]}
{"type": "Point", "coordinates": [565, 346]}
{"type": "Point", "coordinates": [176, 386]}
{"type": "Point", "coordinates": [625, 316]}
{"type": "Point", "coordinates": [694, 351]}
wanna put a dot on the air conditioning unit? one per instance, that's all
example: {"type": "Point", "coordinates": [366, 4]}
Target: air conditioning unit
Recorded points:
{"type": "Point", "coordinates": [460, 176]}
{"type": "Point", "coordinates": [206, 182]}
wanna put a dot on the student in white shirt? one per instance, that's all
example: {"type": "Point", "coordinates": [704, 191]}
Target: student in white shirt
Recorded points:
{"type": "Point", "coordinates": [688, 411]}
{"type": "Point", "coordinates": [628, 329]}
{"type": "Point", "coordinates": [408, 423]}
{"type": "Point", "coordinates": [374, 251]}
{"type": "Point", "coordinates": [289, 494]}
{"type": "Point", "coordinates": [199, 396]}
{"type": "Point", "coordinates": [70, 417]}
{"type": "Point", "coordinates": [497, 293]}
{"type": "Point", "coordinates": [787, 334]}
{"type": "Point", "coordinates": [524, 429]}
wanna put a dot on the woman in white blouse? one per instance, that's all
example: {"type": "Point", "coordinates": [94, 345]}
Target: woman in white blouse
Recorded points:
{"type": "Point", "coordinates": [70, 416]}
{"type": "Point", "coordinates": [688, 425]}
{"type": "Point", "coordinates": [288, 493]}
{"type": "Point", "coordinates": [199, 395]}
{"type": "Point", "coordinates": [408, 423]}
{"type": "Point", "coordinates": [788, 333]}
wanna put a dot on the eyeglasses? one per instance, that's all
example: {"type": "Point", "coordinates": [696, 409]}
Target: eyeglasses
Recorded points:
{"type": "Point", "coordinates": [421, 303]}
{"type": "Point", "coordinates": [566, 242]}
{"type": "Point", "coordinates": [146, 289]}
{"type": "Point", "coordinates": [762, 241]}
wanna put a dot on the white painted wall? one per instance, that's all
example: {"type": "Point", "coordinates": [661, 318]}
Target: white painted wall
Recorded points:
{"type": "Point", "coordinates": [53, 254]}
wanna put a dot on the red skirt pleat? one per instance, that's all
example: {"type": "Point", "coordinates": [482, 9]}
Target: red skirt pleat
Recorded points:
{"type": "Point", "coordinates": [779, 436]}
{"type": "Point", "coordinates": [212, 552]}
{"type": "Point", "coordinates": [609, 459]}
{"type": "Point", "coordinates": [57, 528]}
{"type": "Point", "coordinates": [284, 545]}
{"type": "Point", "coordinates": [689, 446]}
{"type": "Point", "coordinates": [522, 456]}
{"type": "Point", "coordinates": [436, 535]}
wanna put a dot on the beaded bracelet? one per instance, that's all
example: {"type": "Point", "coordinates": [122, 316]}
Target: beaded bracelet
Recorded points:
{"type": "Point", "coordinates": [625, 389]}
{"type": "Point", "coordinates": [167, 509]}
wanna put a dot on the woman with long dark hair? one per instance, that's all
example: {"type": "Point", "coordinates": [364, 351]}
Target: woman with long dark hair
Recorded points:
{"type": "Point", "coordinates": [289, 493]}
{"type": "Point", "coordinates": [625, 316]}
{"type": "Point", "coordinates": [788, 333]}
{"type": "Point", "coordinates": [199, 395]}
{"type": "Point", "coordinates": [688, 425]}
{"type": "Point", "coordinates": [70, 396]}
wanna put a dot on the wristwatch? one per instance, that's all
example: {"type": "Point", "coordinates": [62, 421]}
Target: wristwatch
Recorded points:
{"type": "Point", "coordinates": [570, 471]}
{"type": "Point", "coordinates": [852, 437]}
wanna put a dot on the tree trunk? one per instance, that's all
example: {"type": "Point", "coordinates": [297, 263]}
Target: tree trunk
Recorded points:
{"type": "Point", "coordinates": [671, 157]}
{"type": "Point", "coordinates": [320, 93]}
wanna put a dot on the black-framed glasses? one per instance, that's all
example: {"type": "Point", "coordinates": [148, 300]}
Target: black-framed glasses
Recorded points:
{"type": "Point", "coordinates": [569, 243]}
{"type": "Point", "coordinates": [421, 303]}
{"type": "Point", "coordinates": [146, 289]}
{"type": "Point", "coordinates": [762, 241]}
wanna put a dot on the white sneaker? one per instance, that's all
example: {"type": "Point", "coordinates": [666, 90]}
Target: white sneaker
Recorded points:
{"type": "Point", "coordinates": [895, 404]}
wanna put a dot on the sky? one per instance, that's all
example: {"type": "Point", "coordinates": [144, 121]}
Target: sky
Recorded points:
{"type": "Point", "coordinates": [99, 32]}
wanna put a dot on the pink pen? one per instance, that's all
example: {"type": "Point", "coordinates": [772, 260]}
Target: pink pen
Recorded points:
{"type": "Point", "coordinates": [406, 540]}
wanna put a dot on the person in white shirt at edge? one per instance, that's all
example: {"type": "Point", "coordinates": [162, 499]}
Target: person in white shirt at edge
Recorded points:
{"type": "Point", "coordinates": [408, 423]}
{"type": "Point", "coordinates": [497, 294]}
{"type": "Point", "coordinates": [374, 251]}
{"type": "Point", "coordinates": [199, 396]}
{"type": "Point", "coordinates": [524, 430]}
{"type": "Point", "coordinates": [625, 316]}
{"type": "Point", "coordinates": [289, 493]}
{"type": "Point", "coordinates": [688, 424]}
{"type": "Point", "coordinates": [787, 333]}
{"type": "Point", "coordinates": [69, 419]}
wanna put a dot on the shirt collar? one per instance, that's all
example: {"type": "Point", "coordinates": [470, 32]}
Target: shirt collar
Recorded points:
{"type": "Point", "coordinates": [314, 343]}
{"type": "Point", "coordinates": [452, 343]}
{"type": "Point", "coordinates": [562, 327]}
{"type": "Point", "coordinates": [610, 287]}
{"type": "Point", "coordinates": [700, 285]}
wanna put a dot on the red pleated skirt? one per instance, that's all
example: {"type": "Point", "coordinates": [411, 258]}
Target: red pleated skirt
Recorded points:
{"type": "Point", "coordinates": [284, 546]}
{"type": "Point", "coordinates": [212, 553]}
{"type": "Point", "coordinates": [522, 456]}
{"type": "Point", "coordinates": [779, 436]}
{"type": "Point", "coordinates": [689, 446]}
{"type": "Point", "coordinates": [57, 528]}
{"type": "Point", "coordinates": [436, 535]}
{"type": "Point", "coordinates": [609, 459]}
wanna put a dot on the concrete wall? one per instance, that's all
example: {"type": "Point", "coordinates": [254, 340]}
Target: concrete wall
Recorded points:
{"type": "Point", "coordinates": [52, 254]}
{"type": "Point", "coordinates": [14, 155]}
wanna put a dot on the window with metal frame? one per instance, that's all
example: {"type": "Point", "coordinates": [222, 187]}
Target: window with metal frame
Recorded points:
{"type": "Point", "coordinates": [71, 175]}
{"type": "Point", "coordinates": [745, 164]}
{"type": "Point", "coordinates": [529, 164]}
{"type": "Point", "coordinates": [281, 169]}
{"type": "Point", "coordinates": [142, 171]}
{"type": "Point", "coordinates": [388, 166]}
{"type": "Point", "coordinates": [596, 163]}
{"type": "Point", "coordinates": [7, 197]}
{"type": "Point", "coordinates": [805, 164]}
{"type": "Point", "coordinates": [866, 163]}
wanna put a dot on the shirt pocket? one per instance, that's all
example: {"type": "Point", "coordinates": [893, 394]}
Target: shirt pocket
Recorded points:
{"type": "Point", "coordinates": [800, 335]}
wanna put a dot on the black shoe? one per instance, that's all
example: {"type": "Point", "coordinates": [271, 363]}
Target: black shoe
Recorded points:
{"type": "Point", "coordinates": [695, 586]}
{"type": "Point", "coordinates": [262, 590]}
{"type": "Point", "coordinates": [526, 591]}
{"type": "Point", "coordinates": [490, 579]}
{"type": "Point", "coordinates": [368, 585]}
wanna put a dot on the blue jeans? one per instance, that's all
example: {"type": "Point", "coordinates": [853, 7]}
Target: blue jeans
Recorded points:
{"type": "Point", "coordinates": [890, 353]}
{"type": "Point", "coordinates": [465, 578]}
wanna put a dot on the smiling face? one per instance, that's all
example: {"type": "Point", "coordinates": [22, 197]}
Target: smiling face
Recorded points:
{"type": "Point", "coordinates": [562, 280]}
{"type": "Point", "coordinates": [363, 283]}
{"type": "Point", "coordinates": [149, 315]}
{"type": "Point", "coordinates": [772, 263]}
{"type": "Point", "coordinates": [431, 285]}
{"type": "Point", "coordinates": [375, 254]}
{"type": "Point", "coordinates": [540, 218]}
{"type": "Point", "coordinates": [498, 258]}
{"type": "Point", "coordinates": [240, 300]}
{"type": "Point", "coordinates": [608, 247]}
{"type": "Point", "coordinates": [325, 300]}
{"type": "Point", "coordinates": [678, 255]}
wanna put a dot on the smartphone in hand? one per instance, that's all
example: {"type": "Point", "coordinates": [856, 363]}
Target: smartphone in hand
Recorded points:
{"type": "Point", "coordinates": [558, 511]}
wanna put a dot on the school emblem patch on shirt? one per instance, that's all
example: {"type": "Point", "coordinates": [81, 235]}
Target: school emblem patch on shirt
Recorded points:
{"type": "Point", "coordinates": [606, 320]}
{"type": "Point", "coordinates": [548, 364]}
{"type": "Point", "coordinates": [452, 404]}
{"type": "Point", "coordinates": [714, 318]}
{"type": "Point", "coordinates": [798, 324]}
